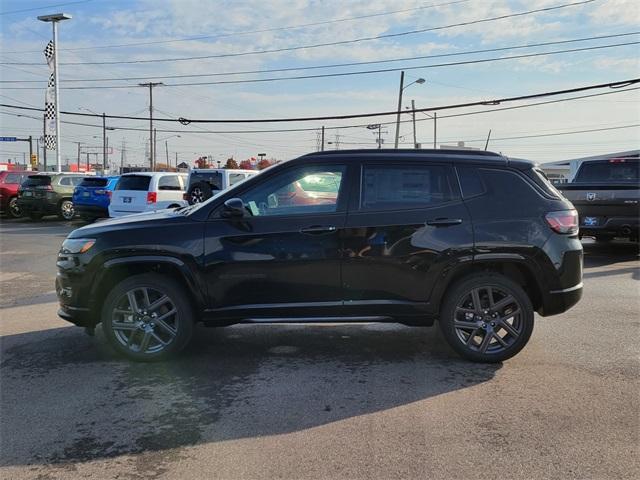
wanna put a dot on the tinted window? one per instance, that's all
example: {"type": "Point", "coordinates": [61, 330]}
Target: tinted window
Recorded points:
{"type": "Point", "coordinates": [301, 191]}
{"type": "Point", "coordinates": [37, 180]}
{"type": "Point", "coordinates": [614, 170]}
{"type": "Point", "coordinates": [169, 182]}
{"type": "Point", "coordinates": [470, 181]}
{"type": "Point", "coordinates": [235, 178]}
{"type": "Point", "coordinates": [508, 194]}
{"type": "Point", "coordinates": [65, 181]}
{"type": "Point", "coordinates": [543, 182]}
{"type": "Point", "coordinates": [212, 178]}
{"type": "Point", "coordinates": [13, 178]}
{"type": "Point", "coordinates": [133, 182]}
{"type": "Point", "coordinates": [93, 182]}
{"type": "Point", "coordinates": [398, 187]}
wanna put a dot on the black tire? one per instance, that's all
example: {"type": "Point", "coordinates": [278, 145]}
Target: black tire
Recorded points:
{"type": "Point", "coordinates": [35, 216]}
{"type": "Point", "coordinates": [181, 321]}
{"type": "Point", "coordinates": [466, 327]}
{"type": "Point", "coordinates": [13, 209]}
{"type": "Point", "coordinates": [65, 210]}
{"type": "Point", "coordinates": [199, 192]}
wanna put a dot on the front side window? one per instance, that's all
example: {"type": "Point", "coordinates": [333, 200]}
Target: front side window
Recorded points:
{"type": "Point", "coordinates": [169, 182]}
{"type": "Point", "coordinates": [406, 187]}
{"type": "Point", "coordinates": [300, 191]}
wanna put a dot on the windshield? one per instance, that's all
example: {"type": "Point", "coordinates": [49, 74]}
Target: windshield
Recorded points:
{"type": "Point", "coordinates": [623, 170]}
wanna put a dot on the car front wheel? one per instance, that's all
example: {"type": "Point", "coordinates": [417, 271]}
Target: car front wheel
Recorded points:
{"type": "Point", "coordinates": [487, 318]}
{"type": "Point", "coordinates": [66, 210]}
{"type": "Point", "coordinates": [147, 317]}
{"type": "Point", "coordinates": [14, 209]}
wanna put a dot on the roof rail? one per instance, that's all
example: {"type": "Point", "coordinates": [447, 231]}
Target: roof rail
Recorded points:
{"type": "Point", "coordinates": [419, 151]}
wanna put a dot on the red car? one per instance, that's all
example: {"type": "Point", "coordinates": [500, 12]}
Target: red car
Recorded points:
{"type": "Point", "coordinates": [10, 181]}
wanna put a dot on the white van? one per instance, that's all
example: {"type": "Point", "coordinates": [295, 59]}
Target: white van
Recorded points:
{"type": "Point", "coordinates": [147, 191]}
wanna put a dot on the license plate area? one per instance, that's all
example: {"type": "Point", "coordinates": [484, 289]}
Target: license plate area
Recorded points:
{"type": "Point", "coordinates": [126, 199]}
{"type": "Point", "coordinates": [85, 194]}
{"type": "Point", "coordinates": [590, 221]}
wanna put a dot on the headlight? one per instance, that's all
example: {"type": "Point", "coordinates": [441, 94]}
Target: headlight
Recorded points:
{"type": "Point", "coordinates": [77, 245]}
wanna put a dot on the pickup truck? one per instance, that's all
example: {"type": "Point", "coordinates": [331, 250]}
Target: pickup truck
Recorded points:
{"type": "Point", "coordinates": [606, 194]}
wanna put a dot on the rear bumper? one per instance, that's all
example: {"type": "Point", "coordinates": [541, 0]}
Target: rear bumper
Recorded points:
{"type": "Point", "coordinates": [91, 210]}
{"type": "Point", "coordinates": [614, 226]}
{"type": "Point", "coordinates": [559, 301]}
{"type": "Point", "coordinates": [37, 205]}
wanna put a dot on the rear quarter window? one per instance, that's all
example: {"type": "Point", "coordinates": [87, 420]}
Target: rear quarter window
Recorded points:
{"type": "Point", "coordinates": [133, 182]}
{"type": "Point", "coordinates": [508, 195]}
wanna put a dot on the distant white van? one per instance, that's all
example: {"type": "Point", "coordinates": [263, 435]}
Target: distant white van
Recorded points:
{"type": "Point", "coordinates": [147, 191]}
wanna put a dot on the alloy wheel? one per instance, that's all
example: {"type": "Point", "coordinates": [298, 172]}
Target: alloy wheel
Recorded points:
{"type": "Point", "coordinates": [14, 208]}
{"type": "Point", "coordinates": [488, 320]}
{"type": "Point", "coordinates": [196, 195]}
{"type": "Point", "coordinates": [145, 320]}
{"type": "Point", "coordinates": [67, 210]}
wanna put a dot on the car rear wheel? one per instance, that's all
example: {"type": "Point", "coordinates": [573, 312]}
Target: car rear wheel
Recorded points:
{"type": "Point", "coordinates": [147, 317]}
{"type": "Point", "coordinates": [199, 192]}
{"type": "Point", "coordinates": [14, 209]}
{"type": "Point", "coordinates": [487, 318]}
{"type": "Point", "coordinates": [66, 211]}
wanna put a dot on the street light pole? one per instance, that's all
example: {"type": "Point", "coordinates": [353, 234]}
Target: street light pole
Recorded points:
{"type": "Point", "coordinates": [54, 19]}
{"type": "Point", "coordinates": [399, 109]}
{"type": "Point", "coordinates": [104, 141]}
{"type": "Point", "coordinates": [413, 114]}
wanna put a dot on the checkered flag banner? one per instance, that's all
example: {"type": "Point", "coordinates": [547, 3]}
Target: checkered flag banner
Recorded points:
{"type": "Point", "coordinates": [49, 53]}
{"type": "Point", "coordinates": [50, 139]}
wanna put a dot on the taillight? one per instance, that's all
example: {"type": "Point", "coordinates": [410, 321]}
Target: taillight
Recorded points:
{"type": "Point", "coordinates": [152, 197]}
{"type": "Point", "coordinates": [565, 221]}
{"type": "Point", "coordinates": [185, 196]}
{"type": "Point", "coordinates": [109, 192]}
{"type": "Point", "coordinates": [44, 187]}
{"type": "Point", "coordinates": [100, 192]}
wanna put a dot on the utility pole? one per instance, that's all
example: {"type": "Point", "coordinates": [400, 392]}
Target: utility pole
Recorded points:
{"type": "Point", "coordinates": [322, 148]}
{"type": "Point", "coordinates": [176, 160]}
{"type": "Point", "coordinates": [122, 155]}
{"type": "Point", "coordinates": [78, 156]}
{"type": "Point", "coordinates": [151, 141]}
{"type": "Point", "coordinates": [486, 145]}
{"type": "Point", "coordinates": [399, 108]}
{"type": "Point", "coordinates": [88, 164]}
{"type": "Point", "coordinates": [107, 164]}
{"type": "Point", "coordinates": [166, 149]}
{"type": "Point", "coordinates": [104, 141]}
{"type": "Point", "coordinates": [31, 148]}
{"type": "Point", "coordinates": [435, 128]}
{"type": "Point", "coordinates": [413, 114]}
{"type": "Point", "coordinates": [155, 149]}
{"type": "Point", "coordinates": [44, 144]}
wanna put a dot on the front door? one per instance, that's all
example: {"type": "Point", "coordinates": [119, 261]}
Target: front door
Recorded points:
{"type": "Point", "coordinates": [283, 256]}
{"type": "Point", "coordinates": [408, 225]}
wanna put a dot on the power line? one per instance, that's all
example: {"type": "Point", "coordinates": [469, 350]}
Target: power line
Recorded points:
{"type": "Point", "coordinates": [325, 44]}
{"type": "Point", "coordinates": [344, 74]}
{"type": "Point", "coordinates": [339, 65]}
{"type": "Point", "coordinates": [44, 7]}
{"type": "Point", "coordinates": [615, 85]}
{"type": "Point", "coordinates": [253, 32]}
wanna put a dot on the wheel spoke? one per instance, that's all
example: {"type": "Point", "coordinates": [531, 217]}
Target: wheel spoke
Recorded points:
{"type": "Point", "coordinates": [144, 343]}
{"type": "Point", "coordinates": [131, 295]}
{"type": "Point", "coordinates": [500, 340]}
{"type": "Point", "coordinates": [472, 336]}
{"type": "Point", "coordinates": [158, 303]}
{"type": "Point", "coordinates": [124, 325]}
{"type": "Point", "coordinates": [508, 300]}
{"type": "Point", "coordinates": [132, 337]}
{"type": "Point", "coordinates": [490, 295]}
{"type": "Point", "coordinates": [465, 325]}
{"type": "Point", "coordinates": [475, 296]}
{"type": "Point", "coordinates": [169, 329]}
{"type": "Point", "coordinates": [509, 328]}
{"type": "Point", "coordinates": [485, 342]}
{"type": "Point", "coordinates": [158, 339]}
{"type": "Point", "coordinates": [147, 302]}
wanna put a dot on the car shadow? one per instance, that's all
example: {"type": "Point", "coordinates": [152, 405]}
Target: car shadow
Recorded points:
{"type": "Point", "coordinates": [602, 254]}
{"type": "Point", "coordinates": [68, 398]}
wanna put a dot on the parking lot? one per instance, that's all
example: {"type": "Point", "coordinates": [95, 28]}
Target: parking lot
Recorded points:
{"type": "Point", "coordinates": [361, 401]}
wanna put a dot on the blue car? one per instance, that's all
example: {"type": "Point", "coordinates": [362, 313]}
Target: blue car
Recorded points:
{"type": "Point", "coordinates": [92, 197]}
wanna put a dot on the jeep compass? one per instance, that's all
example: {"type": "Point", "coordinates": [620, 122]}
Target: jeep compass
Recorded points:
{"type": "Point", "coordinates": [472, 239]}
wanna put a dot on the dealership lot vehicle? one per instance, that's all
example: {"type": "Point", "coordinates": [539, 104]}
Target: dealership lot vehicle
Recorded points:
{"type": "Point", "coordinates": [9, 184]}
{"type": "Point", "coordinates": [147, 191]}
{"type": "Point", "coordinates": [606, 194]}
{"type": "Point", "coordinates": [92, 196]}
{"type": "Point", "coordinates": [204, 183]}
{"type": "Point", "coordinates": [474, 239]}
{"type": "Point", "coordinates": [49, 194]}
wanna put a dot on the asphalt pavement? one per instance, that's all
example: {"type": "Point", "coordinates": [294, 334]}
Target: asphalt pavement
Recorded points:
{"type": "Point", "coordinates": [332, 401]}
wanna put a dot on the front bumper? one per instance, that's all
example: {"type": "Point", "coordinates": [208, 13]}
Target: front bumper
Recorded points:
{"type": "Point", "coordinates": [72, 298]}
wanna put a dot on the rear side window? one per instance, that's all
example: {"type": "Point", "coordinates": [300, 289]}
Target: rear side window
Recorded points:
{"type": "Point", "coordinates": [470, 182]}
{"type": "Point", "coordinates": [37, 181]}
{"type": "Point", "coordinates": [616, 170]}
{"type": "Point", "coordinates": [508, 194]}
{"type": "Point", "coordinates": [13, 178]}
{"type": "Point", "coordinates": [133, 182]}
{"type": "Point", "coordinates": [406, 187]}
{"type": "Point", "coordinates": [93, 182]}
{"type": "Point", "coordinates": [235, 178]}
{"type": "Point", "coordinates": [169, 182]}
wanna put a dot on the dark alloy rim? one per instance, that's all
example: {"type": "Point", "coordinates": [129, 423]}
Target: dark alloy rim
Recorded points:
{"type": "Point", "coordinates": [145, 320]}
{"type": "Point", "coordinates": [488, 320]}
{"type": "Point", "coordinates": [196, 195]}
{"type": "Point", "coordinates": [14, 208]}
{"type": "Point", "coordinates": [67, 210]}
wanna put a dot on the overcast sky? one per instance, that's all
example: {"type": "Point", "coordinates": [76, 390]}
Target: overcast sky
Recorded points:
{"type": "Point", "coordinates": [169, 28]}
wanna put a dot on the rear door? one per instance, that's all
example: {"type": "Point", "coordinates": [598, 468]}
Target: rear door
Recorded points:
{"type": "Point", "coordinates": [130, 194]}
{"type": "Point", "coordinates": [406, 226]}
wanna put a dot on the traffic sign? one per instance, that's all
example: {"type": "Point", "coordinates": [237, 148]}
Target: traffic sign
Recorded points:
{"type": "Point", "coordinates": [8, 139]}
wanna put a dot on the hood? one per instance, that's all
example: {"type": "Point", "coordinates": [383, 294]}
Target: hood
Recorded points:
{"type": "Point", "coordinates": [126, 222]}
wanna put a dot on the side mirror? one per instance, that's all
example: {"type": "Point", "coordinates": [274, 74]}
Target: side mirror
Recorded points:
{"type": "Point", "coordinates": [233, 208]}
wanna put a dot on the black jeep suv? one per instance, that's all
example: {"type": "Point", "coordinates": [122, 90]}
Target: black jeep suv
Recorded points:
{"type": "Point", "coordinates": [473, 239]}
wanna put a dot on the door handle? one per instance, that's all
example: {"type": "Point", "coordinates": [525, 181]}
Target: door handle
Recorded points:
{"type": "Point", "coordinates": [318, 229]}
{"type": "Point", "coordinates": [444, 222]}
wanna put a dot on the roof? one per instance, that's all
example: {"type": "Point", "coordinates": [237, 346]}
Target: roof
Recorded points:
{"type": "Point", "coordinates": [412, 151]}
